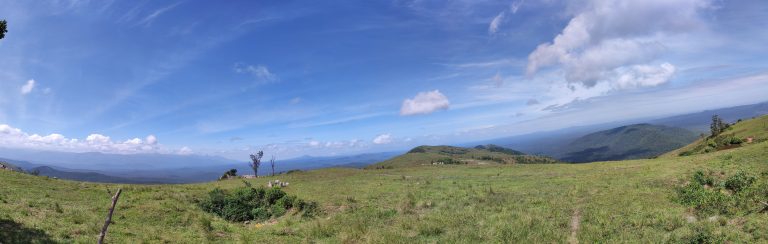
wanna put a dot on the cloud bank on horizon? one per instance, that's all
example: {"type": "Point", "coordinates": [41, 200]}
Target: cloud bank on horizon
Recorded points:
{"type": "Point", "coordinates": [286, 78]}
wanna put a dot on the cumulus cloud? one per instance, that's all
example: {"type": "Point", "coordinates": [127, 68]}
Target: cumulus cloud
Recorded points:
{"type": "Point", "coordinates": [28, 87]}
{"type": "Point", "coordinates": [259, 72]}
{"type": "Point", "coordinates": [383, 139]}
{"type": "Point", "coordinates": [151, 140]}
{"type": "Point", "coordinates": [425, 103]}
{"type": "Point", "coordinates": [614, 40]}
{"type": "Point", "coordinates": [16, 138]}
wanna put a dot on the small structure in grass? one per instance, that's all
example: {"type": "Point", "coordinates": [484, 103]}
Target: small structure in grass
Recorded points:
{"type": "Point", "coordinates": [276, 183]}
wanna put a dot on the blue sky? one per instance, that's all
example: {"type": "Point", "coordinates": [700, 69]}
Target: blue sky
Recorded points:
{"type": "Point", "coordinates": [341, 77]}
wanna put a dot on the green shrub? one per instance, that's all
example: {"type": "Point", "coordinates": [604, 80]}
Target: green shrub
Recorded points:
{"type": "Point", "coordinates": [702, 178]}
{"type": "Point", "coordinates": [739, 181]}
{"type": "Point", "coordinates": [705, 201]}
{"type": "Point", "coordinates": [247, 203]}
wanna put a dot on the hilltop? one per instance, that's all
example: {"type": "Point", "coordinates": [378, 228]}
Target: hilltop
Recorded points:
{"type": "Point", "coordinates": [626, 142]}
{"type": "Point", "coordinates": [9, 166]}
{"type": "Point", "coordinates": [736, 135]}
{"type": "Point", "coordinates": [479, 155]}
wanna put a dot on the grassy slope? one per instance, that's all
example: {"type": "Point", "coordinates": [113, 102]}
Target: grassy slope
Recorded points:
{"type": "Point", "coordinates": [613, 202]}
{"type": "Point", "coordinates": [468, 155]}
{"type": "Point", "coordinates": [627, 142]}
{"type": "Point", "coordinates": [757, 128]}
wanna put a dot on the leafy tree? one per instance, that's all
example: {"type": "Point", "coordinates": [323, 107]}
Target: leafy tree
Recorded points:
{"type": "Point", "coordinates": [256, 162]}
{"type": "Point", "coordinates": [228, 174]}
{"type": "Point", "coordinates": [717, 126]}
{"type": "Point", "coordinates": [3, 28]}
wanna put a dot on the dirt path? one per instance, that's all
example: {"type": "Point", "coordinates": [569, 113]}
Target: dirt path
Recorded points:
{"type": "Point", "coordinates": [575, 222]}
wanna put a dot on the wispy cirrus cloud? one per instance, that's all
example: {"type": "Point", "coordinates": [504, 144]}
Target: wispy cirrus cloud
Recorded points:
{"type": "Point", "coordinates": [147, 20]}
{"type": "Point", "coordinates": [260, 73]}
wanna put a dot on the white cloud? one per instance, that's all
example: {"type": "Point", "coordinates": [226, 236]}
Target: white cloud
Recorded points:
{"type": "Point", "coordinates": [383, 139]}
{"type": "Point", "coordinates": [16, 138]}
{"type": "Point", "coordinates": [28, 87]}
{"type": "Point", "coordinates": [606, 40]}
{"type": "Point", "coordinates": [151, 17]}
{"type": "Point", "coordinates": [644, 75]}
{"type": "Point", "coordinates": [185, 150]}
{"type": "Point", "coordinates": [259, 72]}
{"type": "Point", "coordinates": [336, 144]}
{"type": "Point", "coordinates": [493, 27]}
{"type": "Point", "coordinates": [151, 140]}
{"type": "Point", "coordinates": [425, 103]}
{"type": "Point", "coordinates": [97, 139]}
{"type": "Point", "coordinates": [314, 143]}
{"type": "Point", "coordinates": [516, 6]}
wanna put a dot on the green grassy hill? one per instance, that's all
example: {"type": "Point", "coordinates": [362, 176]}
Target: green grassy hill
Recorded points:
{"type": "Point", "coordinates": [442, 155]}
{"type": "Point", "coordinates": [627, 142]}
{"type": "Point", "coordinates": [671, 199]}
{"type": "Point", "coordinates": [9, 166]}
{"type": "Point", "coordinates": [756, 128]}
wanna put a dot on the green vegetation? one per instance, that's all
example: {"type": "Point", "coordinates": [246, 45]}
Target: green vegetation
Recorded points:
{"type": "Point", "coordinates": [715, 197]}
{"type": "Point", "coordinates": [495, 148]}
{"type": "Point", "coordinates": [232, 173]}
{"type": "Point", "coordinates": [9, 166]}
{"type": "Point", "coordinates": [3, 28]}
{"type": "Point", "coordinates": [248, 203]}
{"type": "Point", "coordinates": [727, 136]}
{"type": "Point", "coordinates": [479, 155]}
{"type": "Point", "coordinates": [627, 142]}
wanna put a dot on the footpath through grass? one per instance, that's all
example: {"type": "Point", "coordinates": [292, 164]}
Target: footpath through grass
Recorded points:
{"type": "Point", "coordinates": [596, 202]}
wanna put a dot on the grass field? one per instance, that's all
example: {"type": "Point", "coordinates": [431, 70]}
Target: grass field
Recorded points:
{"type": "Point", "coordinates": [623, 201]}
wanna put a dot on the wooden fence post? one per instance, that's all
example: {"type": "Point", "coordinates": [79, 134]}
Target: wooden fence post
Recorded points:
{"type": "Point", "coordinates": [109, 216]}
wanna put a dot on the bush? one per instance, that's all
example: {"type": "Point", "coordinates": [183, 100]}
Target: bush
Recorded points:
{"type": "Point", "coordinates": [739, 181]}
{"type": "Point", "coordinates": [703, 179]}
{"type": "Point", "coordinates": [705, 201]}
{"type": "Point", "coordinates": [247, 203]}
{"type": "Point", "coordinates": [739, 192]}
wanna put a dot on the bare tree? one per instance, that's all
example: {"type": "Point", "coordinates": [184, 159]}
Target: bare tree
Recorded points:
{"type": "Point", "coordinates": [272, 162]}
{"type": "Point", "coordinates": [256, 158]}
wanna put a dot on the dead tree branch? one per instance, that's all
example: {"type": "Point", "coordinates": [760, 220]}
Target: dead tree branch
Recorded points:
{"type": "Point", "coordinates": [109, 216]}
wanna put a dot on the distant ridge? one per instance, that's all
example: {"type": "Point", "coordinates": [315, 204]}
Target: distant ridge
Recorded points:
{"type": "Point", "coordinates": [439, 155]}
{"type": "Point", "coordinates": [627, 142]}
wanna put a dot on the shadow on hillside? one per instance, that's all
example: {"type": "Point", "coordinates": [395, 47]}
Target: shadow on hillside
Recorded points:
{"type": "Point", "coordinates": [12, 232]}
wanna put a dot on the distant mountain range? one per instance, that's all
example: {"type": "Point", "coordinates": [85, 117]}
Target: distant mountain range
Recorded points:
{"type": "Point", "coordinates": [577, 144]}
{"type": "Point", "coordinates": [555, 143]}
{"type": "Point", "coordinates": [162, 168]}
{"type": "Point", "coordinates": [626, 142]}
{"type": "Point", "coordinates": [699, 122]}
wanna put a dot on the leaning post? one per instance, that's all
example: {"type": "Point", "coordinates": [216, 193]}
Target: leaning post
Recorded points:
{"type": "Point", "coordinates": [109, 216]}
